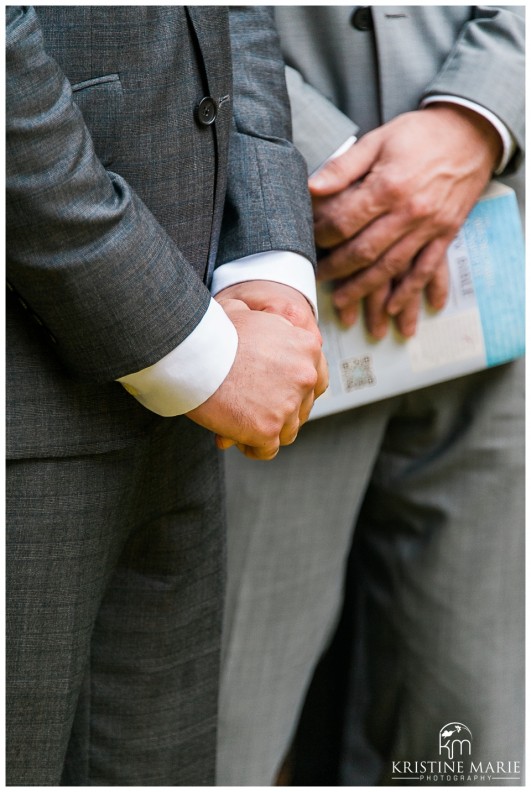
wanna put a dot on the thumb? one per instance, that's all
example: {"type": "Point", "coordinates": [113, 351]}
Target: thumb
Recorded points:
{"type": "Point", "coordinates": [340, 172]}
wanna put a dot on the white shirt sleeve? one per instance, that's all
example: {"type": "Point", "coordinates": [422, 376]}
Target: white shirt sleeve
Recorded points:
{"type": "Point", "coordinates": [508, 141]}
{"type": "Point", "coordinates": [281, 266]}
{"type": "Point", "coordinates": [194, 370]}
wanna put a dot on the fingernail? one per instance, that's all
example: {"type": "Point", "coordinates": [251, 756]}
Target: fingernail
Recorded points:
{"type": "Point", "coordinates": [408, 331]}
{"type": "Point", "coordinates": [318, 180]}
{"type": "Point", "coordinates": [379, 332]}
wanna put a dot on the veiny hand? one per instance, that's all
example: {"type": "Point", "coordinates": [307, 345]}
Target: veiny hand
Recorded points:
{"type": "Point", "coordinates": [271, 387]}
{"type": "Point", "coordinates": [388, 208]}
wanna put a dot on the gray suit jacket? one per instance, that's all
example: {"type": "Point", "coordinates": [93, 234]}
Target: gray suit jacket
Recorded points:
{"type": "Point", "coordinates": [116, 210]}
{"type": "Point", "coordinates": [406, 54]}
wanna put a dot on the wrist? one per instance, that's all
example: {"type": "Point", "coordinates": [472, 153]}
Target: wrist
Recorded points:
{"type": "Point", "coordinates": [189, 374]}
{"type": "Point", "coordinates": [474, 125]}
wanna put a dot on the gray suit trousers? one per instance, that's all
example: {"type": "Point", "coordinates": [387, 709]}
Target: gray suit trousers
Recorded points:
{"type": "Point", "coordinates": [113, 626]}
{"type": "Point", "coordinates": [434, 482]}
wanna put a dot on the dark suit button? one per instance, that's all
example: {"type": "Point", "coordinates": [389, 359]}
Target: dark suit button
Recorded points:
{"type": "Point", "coordinates": [361, 19]}
{"type": "Point", "coordinates": [207, 111]}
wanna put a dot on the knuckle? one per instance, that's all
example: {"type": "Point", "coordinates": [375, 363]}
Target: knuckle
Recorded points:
{"type": "Point", "coordinates": [391, 266]}
{"type": "Point", "coordinates": [340, 225]}
{"type": "Point", "coordinates": [363, 251]}
{"type": "Point", "coordinates": [419, 207]}
{"type": "Point", "coordinates": [310, 377]}
{"type": "Point", "coordinates": [315, 345]}
{"type": "Point", "coordinates": [412, 288]}
{"type": "Point", "coordinates": [336, 265]}
{"type": "Point", "coordinates": [295, 313]}
{"type": "Point", "coordinates": [423, 270]}
{"type": "Point", "coordinates": [290, 405]}
{"type": "Point", "coordinates": [271, 453]}
{"type": "Point", "coordinates": [307, 380]}
{"type": "Point", "coordinates": [291, 436]}
{"type": "Point", "coordinates": [393, 188]}
{"type": "Point", "coordinates": [270, 429]}
{"type": "Point", "coordinates": [263, 453]}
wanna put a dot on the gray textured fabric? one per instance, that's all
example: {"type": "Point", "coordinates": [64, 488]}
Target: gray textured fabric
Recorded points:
{"type": "Point", "coordinates": [114, 580]}
{"type": "Point", "coordinates": [110, 260]}
{"type": "Point", "coordinates": [441, 561]}
{"type": "Point", "coordinates": [115, 203]}
{"type": "Point", "coordinates": [328, 128]}
{"type": "Point", "coordinates": [438, 478]}
{"type": "Point", "coordinates": [411, 54]}
{"type": "Point", "coordinates": [289, 531]}
{"type": "Point", "coordinates": [264, 181]}
{"type": "Point", "coordinates": [435, 478]}
{"type": "Point", "coordinates": [476, 52]}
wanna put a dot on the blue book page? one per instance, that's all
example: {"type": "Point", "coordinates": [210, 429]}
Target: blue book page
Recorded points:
{"type": "Point", "coordinates": [495, 245]}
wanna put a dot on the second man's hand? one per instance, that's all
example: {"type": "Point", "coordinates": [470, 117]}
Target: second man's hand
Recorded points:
{"type": "Point", "coordinates": [386, 210]}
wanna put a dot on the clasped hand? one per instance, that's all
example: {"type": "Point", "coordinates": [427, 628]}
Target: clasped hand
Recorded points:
{"type": "Point", "coordinates": [386, 211]}
{"type": "Point", "coordinates": [278, 372]}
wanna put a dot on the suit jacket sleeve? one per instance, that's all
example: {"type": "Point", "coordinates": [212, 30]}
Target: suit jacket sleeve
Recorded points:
{"type": "Point", "coordinates": [487, 66]}
{"type": "Point", "coordinates": [319, 128]}
{"type": "Point", "coordinates": [84, 252]}
{"type": "Point", "coordinates": [267, 205]}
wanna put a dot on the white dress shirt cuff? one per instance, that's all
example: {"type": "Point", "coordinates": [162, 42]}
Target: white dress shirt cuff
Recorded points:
{"type": "Point", "coordinates": [192, 372]}
{"type": "Point", "coordinates": [508, 141]}
{"type": "Point", "coordinates": [280, 266]}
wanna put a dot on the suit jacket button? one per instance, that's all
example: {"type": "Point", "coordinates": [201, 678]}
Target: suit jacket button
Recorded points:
{"type": "Point", "coordinates": [207, 111]}
{"type": "Point", "coordinates": [361, 19]}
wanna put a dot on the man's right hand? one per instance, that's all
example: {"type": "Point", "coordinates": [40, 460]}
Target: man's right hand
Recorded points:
{"type": "Point", "coordinates": [278, 372]}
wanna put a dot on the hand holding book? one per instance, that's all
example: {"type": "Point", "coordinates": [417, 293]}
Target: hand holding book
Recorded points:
{"type": "Point", "coordinates": [482, 323]}
{"type": "Point", "coordinates": [387, 210]}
